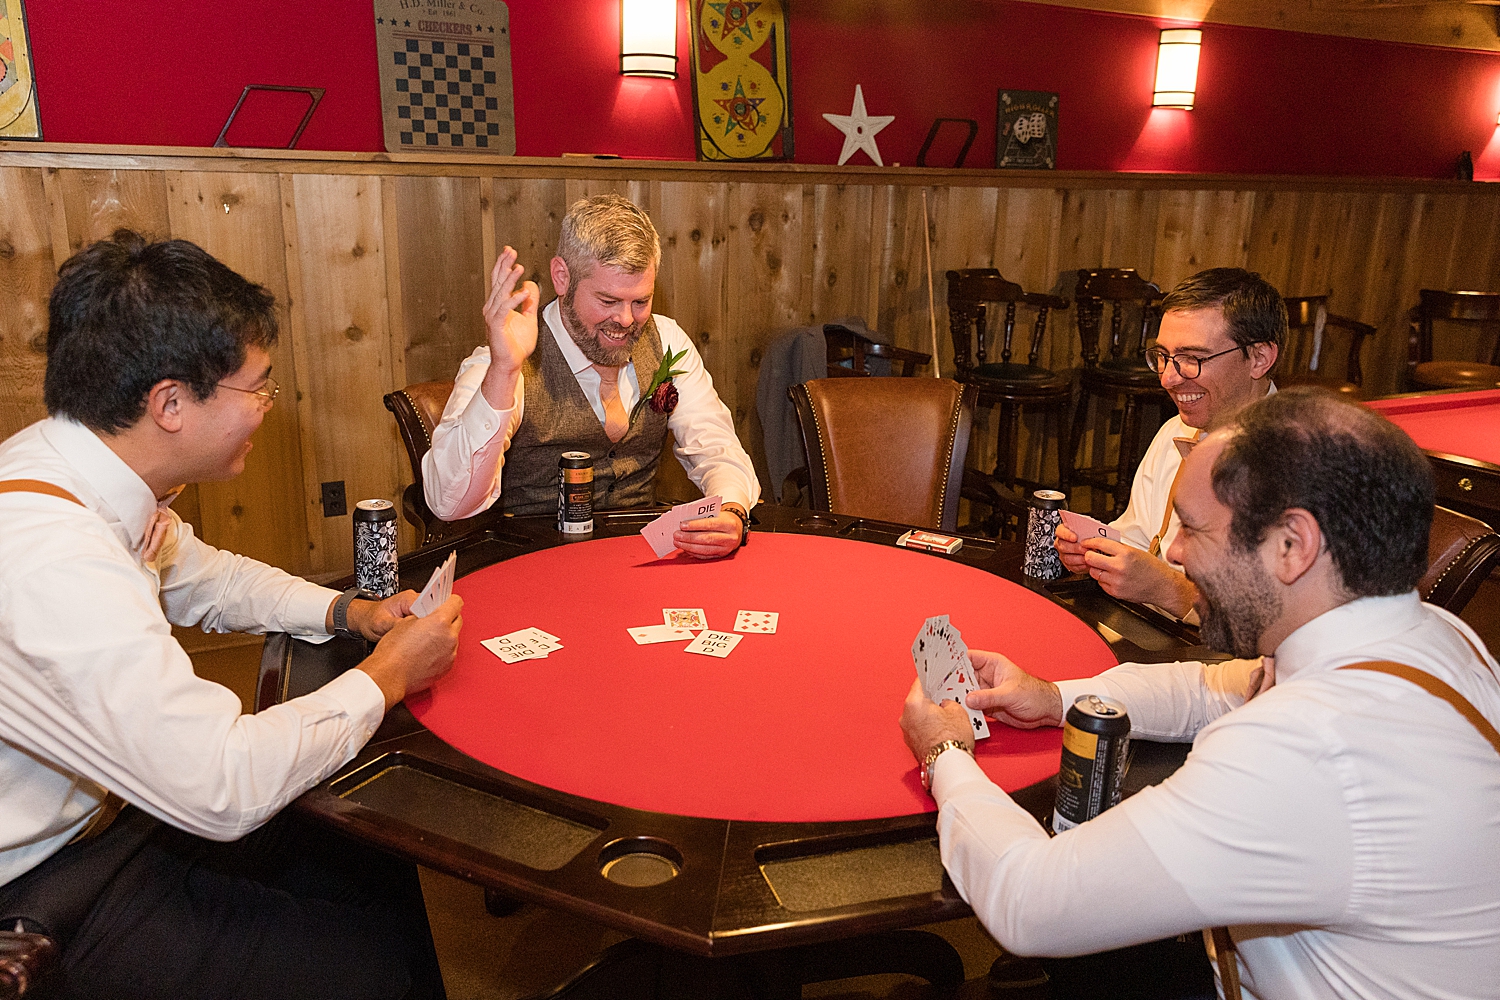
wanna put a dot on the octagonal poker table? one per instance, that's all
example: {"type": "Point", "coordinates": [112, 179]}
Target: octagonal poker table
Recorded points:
{"type": "Point", "coordinates": [717, 806]}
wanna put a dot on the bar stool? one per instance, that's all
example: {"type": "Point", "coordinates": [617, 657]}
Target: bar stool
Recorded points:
{"type": "Point", "coordinates": [1474, 309]}
{"type": "Point", "coordinates": [1316, 337]}
{"type": "Point", "coordinates": [1122, 374]}
{"type": "Point", "coordinates": [1009, 384]}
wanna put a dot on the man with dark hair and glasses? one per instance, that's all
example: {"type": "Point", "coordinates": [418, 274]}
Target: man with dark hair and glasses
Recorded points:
{"type": "Point", "coordinates": [158, 373]}
{"type": "Point", "coordinates": [1220, 333]}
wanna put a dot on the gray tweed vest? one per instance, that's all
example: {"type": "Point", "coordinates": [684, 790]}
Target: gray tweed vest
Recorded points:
{"type": "Point", "coordinates": [558, 418]}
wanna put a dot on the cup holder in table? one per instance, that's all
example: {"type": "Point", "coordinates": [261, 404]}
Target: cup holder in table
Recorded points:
{"type": "Point", "coordinates": [640, 862]}
{"type": "Point", "coordinates": [817, 521]}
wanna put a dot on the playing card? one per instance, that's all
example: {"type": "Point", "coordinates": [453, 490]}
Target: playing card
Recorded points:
{"type": "Point", "coordinates": [659, 532]}
{"type": "Point", "coordinates": [714, 643]}
{"type": "Point", "coordinates": [512, 650]}
{"type": "Point", "coordinates": [692, 618]}
{"type": "Point", "coordinates": [756, 621]}
{"type": "Point", "coordinates": [942, 661]}
{"type": "Point", "coordinates": [1087, 527]}
{"type": "Point", "coordinates": [439, 588]}
{"type": "Point", "coordinates": [647, 634]}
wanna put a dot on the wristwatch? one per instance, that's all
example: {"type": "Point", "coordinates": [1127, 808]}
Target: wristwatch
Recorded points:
{"type": "Point", "coordinates": [341, 610]}
{"type": "Point", "coordinates": [734, 509]}
{"type": "Point", "coordinates": [932, 755]}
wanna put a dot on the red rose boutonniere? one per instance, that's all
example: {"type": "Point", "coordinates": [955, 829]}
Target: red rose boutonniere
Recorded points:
{"type": "Point", "coordinates": [661, 395]}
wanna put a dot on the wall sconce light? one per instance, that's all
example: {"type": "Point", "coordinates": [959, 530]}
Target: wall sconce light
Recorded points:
{"type": "Point", "coordinates": [1177, 68]}
{"type": "Point", "coordinates": [648, 38]}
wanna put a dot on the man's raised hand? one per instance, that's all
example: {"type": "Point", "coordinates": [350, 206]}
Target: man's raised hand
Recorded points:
{"type": "Point", "coordinates": [510, 320]}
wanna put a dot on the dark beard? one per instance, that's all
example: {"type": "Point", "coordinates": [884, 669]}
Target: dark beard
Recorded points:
{"type": "Point", "coordinates": [1239, 604]}
{"type": "Point", "coordinates": [589, 344]}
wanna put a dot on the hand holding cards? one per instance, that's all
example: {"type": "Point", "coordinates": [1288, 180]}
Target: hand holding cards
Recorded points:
{"type": "Point", "coordinates": [1086, 527]}
{"type": "Point", "coordinates": [660, 531]}
{"type": "Point", "coordinates": [439, 588]}
{"type": "Point", "coordinates": [942, 662]}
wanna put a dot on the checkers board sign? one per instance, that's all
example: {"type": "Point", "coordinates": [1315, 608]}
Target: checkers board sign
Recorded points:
{"type": "Point", "coordinates": [445, 83]}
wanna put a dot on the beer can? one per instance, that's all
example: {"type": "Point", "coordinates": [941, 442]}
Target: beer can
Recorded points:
{"type": "Point", "coordinates": [1042, 562]}
{"type": "Point", "coordinates": [375, 547]}
{"type": "Point", "coordinates": [1096, 742]}
{"type": "Point", "coordinates": [575, 493]}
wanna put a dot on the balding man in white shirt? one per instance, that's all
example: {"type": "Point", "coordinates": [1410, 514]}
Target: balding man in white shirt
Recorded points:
{"type": "Point", "coordinates": [1343, 822]}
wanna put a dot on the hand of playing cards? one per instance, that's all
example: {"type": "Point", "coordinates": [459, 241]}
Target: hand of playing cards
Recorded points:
{"type": "Point", "coordinates": [439, 588]}
{"type": "Point", "coordinates": [660, 531]}
{"type": "Point", "coordinates": [942, 662]}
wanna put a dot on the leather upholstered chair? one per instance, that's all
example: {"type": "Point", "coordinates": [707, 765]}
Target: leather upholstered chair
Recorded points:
{"type": "Point", "coordinates": [417, 410]}
{"type": "Point", "coordinates": [1461, 552]}
{"type": "Point", "coordinates": [1322, 348]}
{"type": "Point", "coordinates": [25, 962]}
{"type": "Point", "coordinates": [890, 449]}
{"type": "Point", "coordinates": [1480, 312]}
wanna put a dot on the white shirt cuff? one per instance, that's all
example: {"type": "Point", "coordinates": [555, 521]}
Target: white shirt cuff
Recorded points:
{"type": "Point", "coordinates": [481, 421]}
{"type": "Point", "coordinates": [362, 700]}
{"type": "Point", "coordinates": [307, 610]}
{"type": "Point", "coordinates": [952, 770]}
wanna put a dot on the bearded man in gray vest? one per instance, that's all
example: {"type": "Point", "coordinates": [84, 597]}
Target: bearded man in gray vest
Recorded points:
{"type": "Point", "coordinates": [587, 381]}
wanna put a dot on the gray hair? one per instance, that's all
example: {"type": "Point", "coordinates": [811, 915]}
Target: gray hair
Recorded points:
{"type": "Point", "coordinates": [610, 230]}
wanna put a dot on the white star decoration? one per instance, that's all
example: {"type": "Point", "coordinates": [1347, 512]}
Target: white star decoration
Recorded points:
{"type": "Point", "coordinates": [859, 128]}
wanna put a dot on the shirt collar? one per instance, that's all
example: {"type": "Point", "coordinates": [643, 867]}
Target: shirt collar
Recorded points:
{"type": "Point", "coordinates": [119, 490]}
{"type": "Point", "coordinates": [1360, 624]}
{"type": "Point", "coordinates": [571, 354]}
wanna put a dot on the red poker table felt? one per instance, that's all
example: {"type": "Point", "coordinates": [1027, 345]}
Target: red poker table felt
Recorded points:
{"type": "Point", "coordinates": [796, 726]}
{"type": "Point", "coordinates": [626, 754]}
{"type": "Point", "coordinates": [1460, 432]}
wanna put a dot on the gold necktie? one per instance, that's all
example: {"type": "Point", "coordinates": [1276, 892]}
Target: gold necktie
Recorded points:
{"type": "Point", "coordinates": [616, 423]}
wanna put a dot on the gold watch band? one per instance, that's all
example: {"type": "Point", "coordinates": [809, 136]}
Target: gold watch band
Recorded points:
{"type": "Point", "coordinates": [930, 758]}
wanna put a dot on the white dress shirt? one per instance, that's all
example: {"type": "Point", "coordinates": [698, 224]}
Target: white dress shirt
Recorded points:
{"type": "Point", "coordinates": [1344, 824]}
{"type": "Point", "coordinates": [461, 471]}
{"type": "Point", "coordinates": [95, 693]}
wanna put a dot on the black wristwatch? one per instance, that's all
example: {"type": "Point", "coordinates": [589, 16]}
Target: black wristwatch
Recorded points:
{"type": "Point", "coordinates": [341, 610]}
{"type": "Point", "coordinates": [744, 521]}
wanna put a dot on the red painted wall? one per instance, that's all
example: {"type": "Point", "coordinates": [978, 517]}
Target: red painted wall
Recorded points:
{"type": "Point", "coordinates": [1276, 102]}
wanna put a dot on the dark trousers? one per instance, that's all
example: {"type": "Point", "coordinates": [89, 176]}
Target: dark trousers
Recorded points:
{"type": "Point", "coordinates": [290, 910]}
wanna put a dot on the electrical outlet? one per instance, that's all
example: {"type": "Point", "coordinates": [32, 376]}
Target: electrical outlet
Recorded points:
{"type": "Point", "coordinates": [334, 504]}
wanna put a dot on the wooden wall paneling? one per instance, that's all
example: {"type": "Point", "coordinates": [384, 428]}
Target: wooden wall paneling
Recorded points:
{"type": "Point", "coordinates": [1198, 230]}
{"type": "Point", "coordinates": [692, 281]}
{"type": "Point", "coordinates": [1433, 263]}
{"type": "Point", "coordinates": [487, 243]}
{"type": "Point", "coordinates": [1476, 242]}
{"type": "Point", "coordinates": [1273, 228]}
{"type": "Point", "coordinates": [262, 512]}
{"type": "Point", "coordinates": [336, 271]}
{"type": "Point", "coordinates": [899, 249]}
{"type": "Point", "coordinates": [1080, 244]}
{"type": "Point", "coordinates": [97, 202]}
{"type": "Point", "coordinates": [440, 269]}
{"type": "Point", "coordinates": [843, 234]}
{"type": "Point", "coordinates": [27, 273]}
{"type": "Point", "coordinates": [1392, 221]}
{"type": "Point", "coordinates": [1028, 226]}
{"type": "Point", "coordinates": [767, 263]}
{"type": "Point", "coordinates": [527, 215]}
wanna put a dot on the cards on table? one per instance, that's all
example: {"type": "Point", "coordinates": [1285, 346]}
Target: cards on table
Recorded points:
{"type": "Point", "coordinates": [692, 618]}
{"type": "Point", "coordinates": [439, 588]}
{"type": "Point", "coordinates": [648, 634]}
{"type": "Point", "coordinates": [659, 532]}
{"type": "Point", "coordinates": [756, 621]}
{"type": "Point", "coordinates": [719, 644]}
{"type": "Point", "coordinates": [524, 644]}
{"type": "Point", "coordinates": [942, 662]}
{"type": "Point", "coordinates": [1087, 527]}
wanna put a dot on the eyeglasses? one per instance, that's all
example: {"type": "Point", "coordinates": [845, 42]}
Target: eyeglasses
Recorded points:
{"type": "Point", "coordinates": [268, 391]}
{"type": "Point", "coordinates": [1187, 365]}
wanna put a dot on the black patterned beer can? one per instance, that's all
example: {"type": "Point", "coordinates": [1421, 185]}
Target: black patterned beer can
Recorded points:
{"type": "Point", "coordinates": [1096, 745]}
{"type": "Point", "coordinates": [1042, 562]}
{"type": "Point", "coordinates": [375, 547]}
{"type": "Point", "coordinates": [575, 493]}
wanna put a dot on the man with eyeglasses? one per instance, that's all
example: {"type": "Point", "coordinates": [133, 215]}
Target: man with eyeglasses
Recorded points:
{"type": "Point", "coordinates": [1220, 333]}
{"type": "Point", "coordinates": [158, 373]}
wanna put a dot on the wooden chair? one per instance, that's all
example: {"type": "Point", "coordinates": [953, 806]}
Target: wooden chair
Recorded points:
{"type": "Point", "coordinates": [1121, 374]}
{"type": "Point", "coordinates": [848, 350]}
{"type": "Point", "coordinates": [1011, 385]}
{"type": "Point", "coordinates": [417, 410]}
{"type": "Point", "coordinates": [891, 449]}
{"type": "Point", "coordinates": [1316, 340]}
{"type": "Point", "coordinates": [1480, 311]}
{"type": "Point", "coordinates": [1461, 553]}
